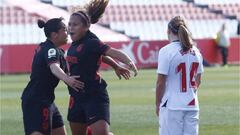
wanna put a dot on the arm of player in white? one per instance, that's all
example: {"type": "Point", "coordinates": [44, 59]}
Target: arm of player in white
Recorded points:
{"type": "Point", "coordinates": [160, 89]}
{"type": "Point", "coordinates": [198, 80]}
{"type": "Point", "coordinates": [69, 80]}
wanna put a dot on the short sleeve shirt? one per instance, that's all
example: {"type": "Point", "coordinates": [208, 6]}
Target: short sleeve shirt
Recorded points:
{"type": "Point", "coordinates": [84, 58]}
{"type": "Point", "coordinates": [181, 69]}
{"type": "Point", "coordinates": [42, 80]}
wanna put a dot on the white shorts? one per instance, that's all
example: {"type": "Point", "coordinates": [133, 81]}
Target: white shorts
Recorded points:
{"type": "Point", "coordinates": [178, 122]}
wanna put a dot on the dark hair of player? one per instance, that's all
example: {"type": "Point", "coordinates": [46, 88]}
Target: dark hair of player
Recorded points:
{"type": "Point", "coordinates": [52, 25]}
{"type": "Point", "coordinates": [178, 26]}
{"type": "Point", "coordinates": [92, 12]}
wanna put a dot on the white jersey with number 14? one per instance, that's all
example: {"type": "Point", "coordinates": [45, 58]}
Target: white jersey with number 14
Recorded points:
{"type": "Point", "coordinates": [181, 69]}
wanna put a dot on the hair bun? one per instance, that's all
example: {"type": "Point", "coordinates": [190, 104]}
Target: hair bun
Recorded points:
{"type": "Point", "coordinates": [41, 23]}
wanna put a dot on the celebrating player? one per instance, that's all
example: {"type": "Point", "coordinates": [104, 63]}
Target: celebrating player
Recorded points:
{"type": "Point", "coordinates": [179, 76]}
{"type": "Point", "coordinates": [40, 114]}
{"type": "Point", "coordinates": [90, 106]}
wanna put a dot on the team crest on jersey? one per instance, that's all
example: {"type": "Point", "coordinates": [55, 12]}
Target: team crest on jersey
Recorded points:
{"type": "Point", "coordinates": [51, 53]}
{"type": "Point", "coordinates": [79, 48]}
{"type": "Point", "coordinates": [192, 52]}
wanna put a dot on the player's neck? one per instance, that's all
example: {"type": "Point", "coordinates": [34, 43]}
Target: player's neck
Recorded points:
{"type": "Point", "coordinates": [173, 38]}
{"type": "Point", "coordinates": [56, 44]}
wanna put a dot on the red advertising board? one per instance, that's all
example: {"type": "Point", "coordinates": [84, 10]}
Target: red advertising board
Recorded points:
{"type": "Point", "coordinates": [18, 58]}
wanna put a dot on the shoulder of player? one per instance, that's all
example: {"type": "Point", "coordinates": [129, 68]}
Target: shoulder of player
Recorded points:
{"type": "Point", "coordinates": [196, 49]}
{"type": "Point", "coordinates": [47, 45]}
{"type": "Point", "coordinates": [94, 42]}
{"type": "Point", "coordinates": [50, 50]}
{"type": "Point", "coordinates": [168, 47]}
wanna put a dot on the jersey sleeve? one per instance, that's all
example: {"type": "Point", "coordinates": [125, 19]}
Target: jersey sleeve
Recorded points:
{"type": "Point", "coordinates": [96, 46]}
{"type": "Point", "coordinates": [163, 62]}
{"type": "Point", "coordinates": [51, 55]}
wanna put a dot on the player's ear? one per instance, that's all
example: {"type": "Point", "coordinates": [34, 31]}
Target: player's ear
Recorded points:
{"type": "Point", "coordinates": [54, 35]}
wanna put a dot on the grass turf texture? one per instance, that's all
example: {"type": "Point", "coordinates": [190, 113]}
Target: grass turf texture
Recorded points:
{"type": "Point", "coordinates": [133, 103]}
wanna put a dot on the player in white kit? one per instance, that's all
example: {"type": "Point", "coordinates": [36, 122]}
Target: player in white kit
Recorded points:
{"type": "Point", "coordinates": [179, 75]}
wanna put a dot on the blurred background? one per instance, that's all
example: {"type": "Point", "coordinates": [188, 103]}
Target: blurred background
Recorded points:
{"type": "Point", "coordinates": [137, 27]}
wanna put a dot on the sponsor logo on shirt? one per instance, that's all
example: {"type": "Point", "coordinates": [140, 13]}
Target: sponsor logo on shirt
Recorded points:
{"type": "Point", "coordinates": [79, 48]}
{"type": "Point", "coordinates": [90, 118]}
{"type": "Point", "coordinates": [72, 59]}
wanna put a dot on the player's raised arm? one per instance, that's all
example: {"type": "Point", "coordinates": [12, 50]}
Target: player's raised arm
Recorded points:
{"type": "Point", "coordinates": [122, 57]}
{"type": "Point", "coordinates": [119, 70]}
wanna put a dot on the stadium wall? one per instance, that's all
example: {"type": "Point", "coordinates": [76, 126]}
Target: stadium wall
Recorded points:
{"type": "Point", "coordinates": [18, 58]}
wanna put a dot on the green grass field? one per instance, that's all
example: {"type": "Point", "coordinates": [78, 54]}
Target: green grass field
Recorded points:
{"type": "Point", "coordinates": [133, 105]}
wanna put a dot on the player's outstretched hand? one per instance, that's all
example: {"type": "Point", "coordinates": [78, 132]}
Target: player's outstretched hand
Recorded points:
{"type": "Point", "coordinates": [133, 67]}
{"type": "Point", "coordinates": [122, 72]}
{"type": "Point", "coordinates": [74, 83]}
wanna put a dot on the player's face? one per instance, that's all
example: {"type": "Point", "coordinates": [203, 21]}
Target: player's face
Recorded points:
{"type": "Point", "coordinates": [76, 28]}
{"type": "Point", "coordinates": [62, 35]}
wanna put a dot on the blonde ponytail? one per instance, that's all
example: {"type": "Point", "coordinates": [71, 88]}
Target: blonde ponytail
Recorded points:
{"type": "Point", "coordinates": [185, 38]}
{"type": "Point", "coordinates": [178, 27]}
